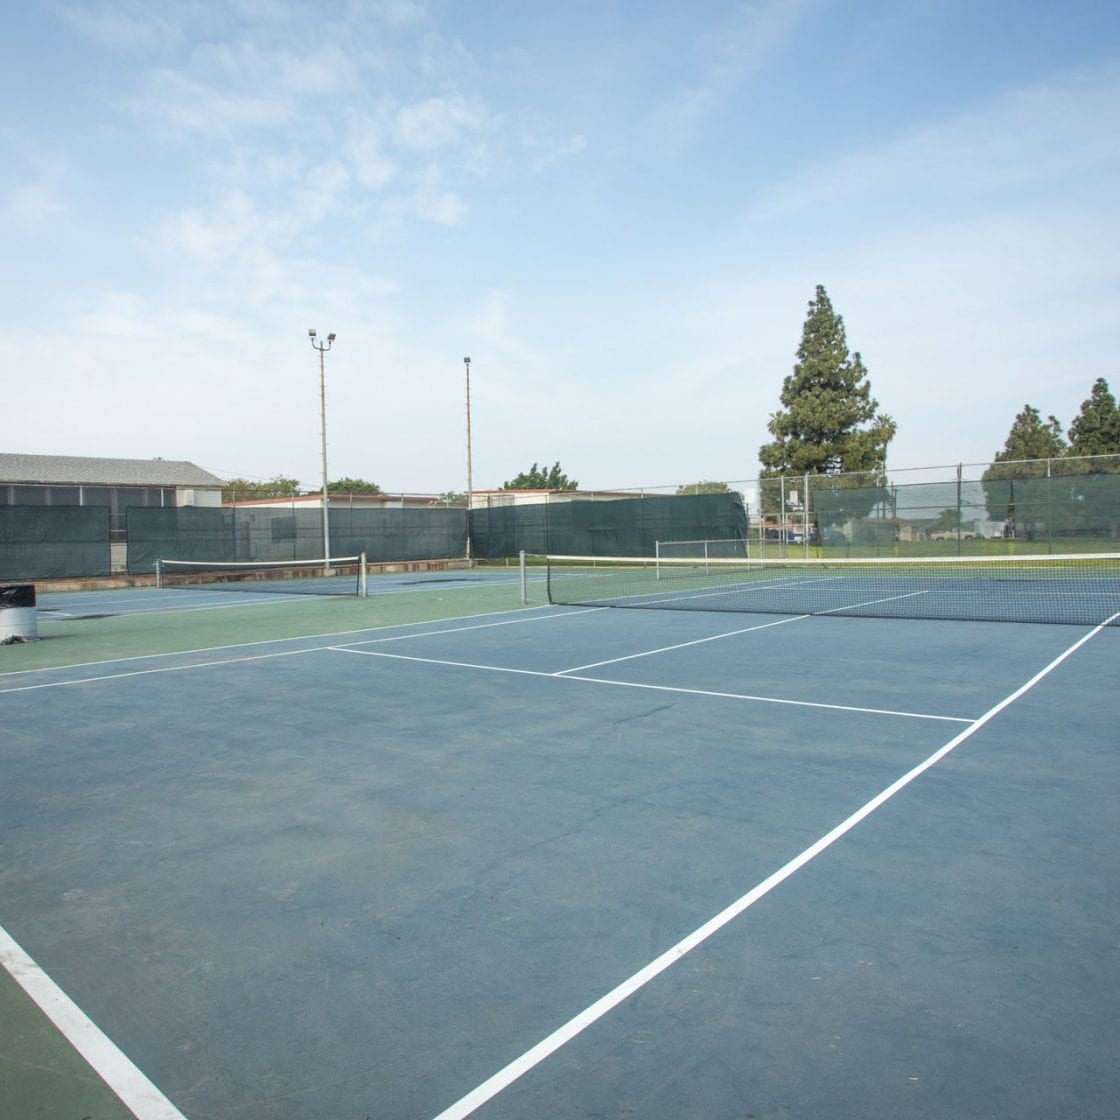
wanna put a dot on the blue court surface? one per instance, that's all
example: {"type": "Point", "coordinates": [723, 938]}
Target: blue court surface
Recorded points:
{"type": "Point", "coordinates": [569, 863]}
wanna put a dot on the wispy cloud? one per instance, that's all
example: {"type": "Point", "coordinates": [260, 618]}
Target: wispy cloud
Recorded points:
{"type": "Point", "coordinates": [130, 25]}
{"type": "Point", "coordinates": [438, 122]}
{"type": "Point", "coordinates": [547, 151]}
{"type": "Point", "coordinates": [179, 101]}
{"type": "Point", "coordinates": [117, 315]}
{"type": "Point", "coordinates": [1041, 140]}
{"type": "Point", "coordinates": [209, 236]}
{"type": "Point", "coordinates": [434, 203]}
{"type": "Point", "coordinates": [31, 204]}
{"type": "Point", "coordinates": [366, 152]}
{"type": "Point", "coordinates": [36, 183]}
{"type": "Point", "coordinates": [742, 47]}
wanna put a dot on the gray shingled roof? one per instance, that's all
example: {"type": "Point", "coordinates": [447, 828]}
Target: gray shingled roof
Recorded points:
{"type": "Point", "coordinates": [72, 470]}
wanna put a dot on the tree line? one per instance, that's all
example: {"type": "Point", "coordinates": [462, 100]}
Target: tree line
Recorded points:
{"type": "Point", "coordinates": [831, 424]}
{"type": "Point", "coordinates": [1094, 431]}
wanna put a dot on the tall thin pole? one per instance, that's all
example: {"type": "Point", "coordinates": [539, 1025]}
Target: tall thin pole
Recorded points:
{"type": "Point", "coordinates": [470, 482]}
{"type": "Point", "coordinates": [323, 348]}
{"type": "Point", "coordinates": [323, 431]}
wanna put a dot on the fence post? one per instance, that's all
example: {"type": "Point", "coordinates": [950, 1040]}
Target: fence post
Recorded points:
{"type": "Point", "coordinates": [783, 529]}
{"type": "Point", "coordinates": [805, 526]}
{"type": "Point", "coordinates": [1049, 509]}
{"type": "Point", "coordinates": [959, 512]}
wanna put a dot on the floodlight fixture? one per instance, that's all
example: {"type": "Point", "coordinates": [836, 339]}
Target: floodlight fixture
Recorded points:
{"type": "Point", "coordinates": [311, 332]}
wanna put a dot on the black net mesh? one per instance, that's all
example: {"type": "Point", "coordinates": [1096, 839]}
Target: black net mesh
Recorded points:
{"type": "Point", "coordinates": [1084, 590]}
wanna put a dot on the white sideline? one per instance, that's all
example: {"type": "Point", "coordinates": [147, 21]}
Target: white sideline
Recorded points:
{"type": "Point", "coordinates": [133, 1088]}
{"type": "Point", "coordinates": [506, 1076]}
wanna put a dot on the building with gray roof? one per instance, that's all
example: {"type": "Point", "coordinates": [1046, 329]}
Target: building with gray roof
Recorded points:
{"type": "Point", "coordinates": [75, 470]}
{"type": "Point", "coordinates": [72, 480]}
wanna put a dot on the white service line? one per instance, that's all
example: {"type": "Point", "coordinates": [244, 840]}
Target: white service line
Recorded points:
{"type": "Point", "coordinates": [769, 699]}
{"type": "Point", "coordinates": [132, 1087]}
{"type": "Point", "coordinates": [567, 675]}
{"type": "Point", "coordinates": [506, 1076]}
{"type": "Point", "coordinates": [465, 629]}
{"type": "Point", "coordinates": [872, 602]}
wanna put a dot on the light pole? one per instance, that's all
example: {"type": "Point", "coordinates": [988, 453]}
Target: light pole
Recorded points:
{"type": "Point", "coordinates": [470, 487]}
{"type": "Point", "coordinates": [323, 347]}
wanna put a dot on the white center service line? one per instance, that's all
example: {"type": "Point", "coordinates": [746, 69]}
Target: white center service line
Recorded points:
{"type": "Point", "coordinates": [506, 1076]}
{"type": "Point", "coordinates": [685, 645]}
{"type": "Point", "coordinates": [568, 675]}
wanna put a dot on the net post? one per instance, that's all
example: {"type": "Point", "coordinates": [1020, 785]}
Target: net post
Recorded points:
{"type": "Point", "coordinates": [363, 577]}
{"type": "Point", "coordinates": [523, 578]}
{"type": "Point", "coordinates": [159, 573]}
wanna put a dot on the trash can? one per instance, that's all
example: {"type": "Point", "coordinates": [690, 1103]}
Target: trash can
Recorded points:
{"type": "Point", "coordinates": [18, 620]}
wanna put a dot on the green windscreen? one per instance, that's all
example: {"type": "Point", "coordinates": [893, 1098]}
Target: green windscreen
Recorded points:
{"type": "Point", "coordinates": [53, 542]}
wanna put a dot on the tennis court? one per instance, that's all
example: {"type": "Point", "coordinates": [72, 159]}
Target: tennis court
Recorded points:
{"type": "Point", "coordinates": [435, 853]}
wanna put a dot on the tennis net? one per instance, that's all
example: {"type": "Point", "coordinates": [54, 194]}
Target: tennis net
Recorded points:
{"type": "Point", "coordinates": [1082, 589]}
{"type": "Point", "coordinates": [340, 575]}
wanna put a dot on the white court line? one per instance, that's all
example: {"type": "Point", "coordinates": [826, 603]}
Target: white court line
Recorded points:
{"type": "Point", "coordinates": [123, 1078]}
{"type": "Point", "coordinates": [684, 645]}
{"type": "Point", "coordinates": [162, 669]}
{"type": "Point", "coordinates": [684, 595]}
{"type": "Point", "coordinates": [330, 637]}
{"type": "Point", "coordinates": [49, 614]}
{"type": "Point", "coordinates": [506, 1076]}
{"type": "Point", "coordinates": [770, 700]}
{"type": "Point", "coordinates": [466, 629]}
{"type": "Point", "coordinates": [872, 602]}
{"type": "Point", "coordinates": [566, 675]}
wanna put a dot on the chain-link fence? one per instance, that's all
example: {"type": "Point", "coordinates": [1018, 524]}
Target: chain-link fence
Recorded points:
{"type": "Point", "coordinates": [1055, 506]}
{"type": "Point", "coordinates": [1067, 505]}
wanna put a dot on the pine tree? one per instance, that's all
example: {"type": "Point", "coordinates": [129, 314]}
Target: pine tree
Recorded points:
{"type": "Point", "coordinates": [830, 423]}
{"type": "Point", "coordinates": [1030, 438]}
{"type": "Point", "coordinates": [1096, 431]}
{"type": "Point", "coordinates": [1028, 453]}
{"type": "Point", "coordinates": [1096, 495]}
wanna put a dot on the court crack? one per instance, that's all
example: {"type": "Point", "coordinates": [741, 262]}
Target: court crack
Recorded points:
{"type": "Point", "coordinates": [619, 720]}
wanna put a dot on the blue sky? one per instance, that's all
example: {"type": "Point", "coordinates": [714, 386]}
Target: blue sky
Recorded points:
{"type": "Point", "coordinates": [619, 210]}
